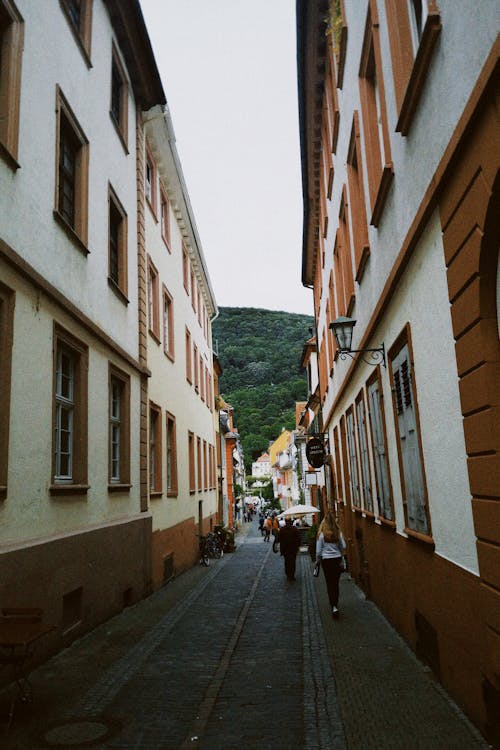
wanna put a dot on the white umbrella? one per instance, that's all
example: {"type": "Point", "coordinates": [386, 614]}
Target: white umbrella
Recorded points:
{"type": "Point", "coordinates": [298, 510]}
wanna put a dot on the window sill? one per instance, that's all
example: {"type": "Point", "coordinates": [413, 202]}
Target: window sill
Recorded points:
{"type": "Point", "coordinates": [425, 539]}
{"type": "Point", "coordinates": [119, 487]}
{"type": "Point", "coordinates": [369, 514]}
{"type": "Point", "coordinates": [69, 489]}
{"type": "Point", "coordinates": [120, 133]}
{"type": "Point", "coordinates": [418, 75]}
{"type": "Point", "coordinates": [156, 494]}
{"type": "Point", "coordinates": [154, 336]}
{"type": "Point", "coordinates": [9, 158]}
{"type": "Point", "coordinates": [172, 493]}
{"type": "Point", "coordinates": [73, 236]}
{"type": "Point", "coordinates": [365, 254]}
{"type": "Point", "coordinates": [3, 492]}
{"type": "Point", "coordinates": [167, 244]}
{"type": "Point", "coordinates": [386, 524]}
{"type": "Point", "coordinates": [151, 208]}
{"type": "Point", "coordinates": [382, 192]}
{"type": "Point", "coordinates": [116, 289]}
{"type": "Point", "coordinates": [169, 355]}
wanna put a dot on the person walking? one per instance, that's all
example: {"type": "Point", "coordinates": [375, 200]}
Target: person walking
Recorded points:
{"type": "Point", "coordinates": [289, 546]}
{"type": "Point", "coordinates": [330, 546]}
{"type": "Point", "coordinates": [268, 525]}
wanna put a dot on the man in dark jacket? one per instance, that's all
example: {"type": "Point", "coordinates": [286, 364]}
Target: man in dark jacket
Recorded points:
{"type": "Point", "coordinates": [289, 546]}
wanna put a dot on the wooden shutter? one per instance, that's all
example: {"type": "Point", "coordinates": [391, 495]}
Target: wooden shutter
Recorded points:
{"type": "Point", "coordinates": [353, 466]}
{"type": "Point", "coordinates": [379, 452]}
{"type": "Point", "coordinates": [365, 464]}
{"type": "Point", "coordinates": [413, 477]}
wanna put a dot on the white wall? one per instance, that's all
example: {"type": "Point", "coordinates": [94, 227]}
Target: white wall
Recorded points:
{"type": "Point", "coordinates": [51, 56]}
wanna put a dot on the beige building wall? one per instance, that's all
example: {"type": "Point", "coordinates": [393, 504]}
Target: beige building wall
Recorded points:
{"type": "Point", "coordinates": [179, 514]}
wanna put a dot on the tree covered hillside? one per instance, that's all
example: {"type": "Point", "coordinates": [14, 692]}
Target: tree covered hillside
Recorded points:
{"type": "Point", "coordinates": [260, 352]}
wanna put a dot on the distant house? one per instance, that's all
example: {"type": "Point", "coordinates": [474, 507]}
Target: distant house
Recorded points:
{"type": "Point", "coordinates": [261, 467]}
{"type": "Point", "coordinates": [400, 164]}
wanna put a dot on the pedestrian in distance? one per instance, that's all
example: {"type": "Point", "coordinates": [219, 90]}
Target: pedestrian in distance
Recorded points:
{"type": "Point", "coordinates": [276, 527]}
{"type": "Point", "coordinates": [289, 546]}
{"type": "Point", "coordinates": [261, 523]}
{"type": "Point", "coordinates": [268, 525]}
{"type": "Point", "coordinates": [330, 546]}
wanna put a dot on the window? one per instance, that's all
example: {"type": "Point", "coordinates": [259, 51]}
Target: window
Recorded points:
{"type": "Point", "coordinates": [150, 181]}
{"type": "Point", "coordinates": [331, 99]}
{"type": "Point", "coordinates": [192, 477]}
{"type": "Point", "coordinates": [357, 201]}
{"type": "Point", "coordinates": [6, 332]}
{"type": "Point", "coordinates": [117, 271]}
{"type": "Point", "coordinates": [199, 307]}
{"type": "Point", "coordinates": [168, 323]}
{"type": "Point", "coordinates": [196, 371]}
{"type": "Point", "coordinates": [411, 466]}
{"type": "Point", "coordinates": [202, 378]}
{"type": "Point", "coordinates": [363, 450]}
{"type": "Point", "coordinates": [72, 153]}
{"type": "Point", "coordinates": [379, 443]}
{"type": "Point", "coordinates": [193, 291]}
{"type": "Point", "coordinates": [155, 452]}
{"type": "Point", "coordinates": [69, 467]}
{"type": "Point", "coordinates": [79, 16]}
{"type": "Point", "coordinates": [353, 459]}
{"type": "Point", "coordinates": [185, 268]}
{"type": "Point", "coordinates": [153, 302]}
{"type": "Point", "coordinates": [414, 26]}
{"type": "Point", "coordinates": [338, 471]}
{"type": "Point", "coordinates": [342, 262]}
{"type": "Point", "coordinates": [199, 464]}
{"type": "Point", "coordinates": [119, 428]}
{"type": "Point", "coordinates": [165, 217]}
{"type": "Point", "coordinates": [119, 98]}
{"type": "Point", "coordinates": [11, 50]}
{"type": "Point", "coordinates": [338, 30]}
{"type": "Point", "coordinates": [172, 487]}
{"type": "Point", "coordinates": [189, 368]}
{"type": "Point", "coordinates": [375, 128]}
{"type": "Point", "coordinates": [205, 466]}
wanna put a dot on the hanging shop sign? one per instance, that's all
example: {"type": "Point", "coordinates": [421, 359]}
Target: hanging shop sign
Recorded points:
{"type": "Point", "coordinates": [315, 452]}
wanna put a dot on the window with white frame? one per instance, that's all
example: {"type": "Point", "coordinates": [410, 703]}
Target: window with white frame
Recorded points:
{"type": "Point", "coordinates": [353, 460]}
{"type": "Point", "coordinates": [119, 428]}
{"type": "Point", "coordinates": [363, 449]}
{"type": "Point", "coordinates": [411, 464]}
{"type": "Point", "coordinates": [70, 411]}
{"type": "Point", "coordinates": [380, 460]}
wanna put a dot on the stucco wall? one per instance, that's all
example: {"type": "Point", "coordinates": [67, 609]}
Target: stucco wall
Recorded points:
{"type": "Point", "coordinates": [52, 57]}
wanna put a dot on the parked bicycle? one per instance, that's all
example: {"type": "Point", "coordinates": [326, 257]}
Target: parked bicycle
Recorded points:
{"type": "Point", "coordinates": [215, 546]}
{"type": "Point", "coordinates": [204, 559]}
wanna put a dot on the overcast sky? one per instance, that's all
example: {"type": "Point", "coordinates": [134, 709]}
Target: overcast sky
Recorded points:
{"type": "Point", "coordinates": [229, 73]}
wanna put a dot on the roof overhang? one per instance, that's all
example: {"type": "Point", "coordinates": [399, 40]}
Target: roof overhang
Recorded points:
{"type": "Point", "coordinates": [311, 53]}
{"type": "Point", "coordinates": [130, 29]}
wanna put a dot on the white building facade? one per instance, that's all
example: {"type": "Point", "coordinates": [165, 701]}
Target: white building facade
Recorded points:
{"type": "Point", "coordinates": [74, 524]}
{"type": "Point", "coordinates": [399, 192]}
{"type": "Point", "coordinates": [182, 484]}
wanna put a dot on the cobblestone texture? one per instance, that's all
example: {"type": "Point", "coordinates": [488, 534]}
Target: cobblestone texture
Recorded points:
{"type": "Point", "coordinates": [235, 656]}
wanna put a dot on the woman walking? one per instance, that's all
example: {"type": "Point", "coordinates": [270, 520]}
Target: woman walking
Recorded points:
{"type": "Point", "coordinates": [330, 546]}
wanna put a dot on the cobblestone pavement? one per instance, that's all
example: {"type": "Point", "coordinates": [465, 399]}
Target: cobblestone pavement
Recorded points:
{"type": "Point", "coordinates": [235, 656]}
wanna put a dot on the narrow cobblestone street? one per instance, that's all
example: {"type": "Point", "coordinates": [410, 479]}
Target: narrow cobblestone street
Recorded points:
{"type": "Point", "coordinates": [234, 656]}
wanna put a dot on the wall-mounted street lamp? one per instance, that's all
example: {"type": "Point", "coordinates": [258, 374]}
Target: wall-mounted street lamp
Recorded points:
{"type": "Point", "coordinates": [342, 330]}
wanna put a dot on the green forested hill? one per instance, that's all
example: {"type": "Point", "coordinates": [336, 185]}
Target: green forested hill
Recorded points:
{"type": "Point", "coordinates": [260, 352]}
